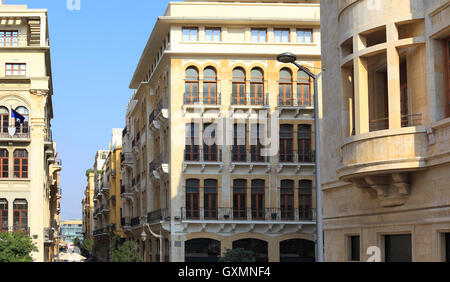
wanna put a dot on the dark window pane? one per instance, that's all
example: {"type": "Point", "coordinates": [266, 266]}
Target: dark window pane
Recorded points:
{"type": "Point", "coordinates": [398, 248]}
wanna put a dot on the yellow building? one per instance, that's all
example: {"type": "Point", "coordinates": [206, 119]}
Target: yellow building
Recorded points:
{"type": "Point", "coordinates": [88, 206]}
{"type": "Point", "coordinates": [386, 128]}
{"type": "Point", "coordinates": [107, 198]}
{"type": "Point", "coordinates": [199, 178]}
{"type": "Point", "coordinates": [29, 183]}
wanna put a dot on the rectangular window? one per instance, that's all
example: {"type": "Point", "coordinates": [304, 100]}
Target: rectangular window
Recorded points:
{"type": "Point", "coordinates": [304, 36]}
{"type": "Point", "coordinates": [355, 248]}
{"type": "Point", "coordinates": [9, 38]}
{"type": "Point", "coordinates": [398, 248]}
{"type": "Point", "coordinates": [192, 142]}
{"type": "Point", "coordinates": [190, 34]}
{"type": "Point", "coordinates": [282, 35]}
{"type": "Point", "coordinates": [15, 69]}
{"type": "Point", "coordinates": [259, 35]}
{"type": "Point", "coordinates": [447, 247]}
{"type": "Point", "coordinates": [213, 34]}
{"type": "Point", "coordinates": [240, 143]}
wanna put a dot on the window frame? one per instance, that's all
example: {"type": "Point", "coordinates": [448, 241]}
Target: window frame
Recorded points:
{"type": "Point", "coordinates": [4, 120]}
{"type": "Point", "coordinates": [259, 30]}
{"type": "Point", "coordinates": [283, 85]}
{"type": "Point", "coordinates": [282, 35]}
{"type": "Point", "coordinates": [240, 199]}
{"type": "Point", "coordinates": [23, 214]}
{"type": "Point", "coordinates": [257, 83]}
{"type": "Point", "coordinates": [4, 168]}
{"type": "Point", "coordinates": [238, 83]}
{"type": "Point", "coordinates": [190, 29]}
{"type": "Point", "coordinates": [305, 199]}
{"type": "Point", "coordinates": [447, 76]}
{"type": "Point", "coordinates": [23, 173]}
{"type": "Point", "coordinates": [213, 29]}
{"type": "Point", "coordinates": [4, 216]}
{"type": "Point", "coordinates": [305, 30]}
{"type": "Point", "coordinates": [20, 67]}
{"type": "Point", "coordinates": [192, 199]}
{"type": "Point", "coordinates": [210, 199]}
{"type": "Point", "coordinates": [258, 199]}
{"type": "Point", "coordinates": [210, 82]}
{"type": "Point", "coordinates": [286, 197]}
{"type": "Point", "coordinates": [13, 39]}
{"type": "Point", "coordinates": [192, 97]}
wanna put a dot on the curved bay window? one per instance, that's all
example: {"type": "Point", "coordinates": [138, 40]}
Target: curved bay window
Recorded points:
{"type": "Point", "coordinates": [4, 120]}
{"type": "Point", "coordinates": [257, 87]}
{"type": "Point", "coordinates": [303, 89]}
{"type": "Point", "coordinates": [192, 199]}
{"type": "Point", "coordinates": [3, 215]}
{"type": "Point", "coordinates": [4, 163]}
{"type": "Point", "coordinates": [287, 199]}
{"type": "Point", "coordinates": [20, 212]}
{"type": "Point", "coordinates": [305, 200]}
{"type": "Point", "coordinates": [210, 86]}
{"type": "Point", "coordinates": [286, 143]}
{"type": "Point", "coordinates": [304, 143]}
{"type": "Point", "coordinates": [258, 189]}
{"type": "Point", "coordinates": [192, 142]}
{"type": "Point", "coordinates": [285, 88]}
{"type": "Point", "coordinates": [191, 95]}
{"type": "Point", "coordinates": [238, 87]}
{"type": "Point", "coordinates": [240, 199]}
{"type": "Point", "coordinates": [209, 143]}
{"type": "Point", "coordinates": [20, 164]}
{"type": "Point", "coordinates": [22, 128]}
{"type": "Point", "coordinates": [210, 199]}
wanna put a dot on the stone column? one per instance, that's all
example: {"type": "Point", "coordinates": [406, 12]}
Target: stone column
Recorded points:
{"type": "Point", "coordinates": [393, 70]}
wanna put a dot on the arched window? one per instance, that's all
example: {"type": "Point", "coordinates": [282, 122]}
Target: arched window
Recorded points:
{"type": "Point", "coordinates": [192, 199]}
{"type": "Point", "coordinates": [4, 120]}
{"type": "Point", "coordinates": [210, 199]}
{"type": "Point", "coordinates": [20, 212]}
{"type": "Point", "coordinates": [258, 189]}
{"type": "Point", "coordinates": [210, 86]}
{"type": "Point", "coordinates": [303, 89]}
{"type": "Point", "coordinates": [20, 164]}
{"type": "Point", "coordinates": [240, 199]}
{"type": "Point", "coordinates": [305, 200]}
{"type": "Point", "coordinates": [287, 199]}
{"type": "Point", "coordinates": [238, 87]}
{"type": "Point", "coordinates": [22, 128]}
{"type": "Point", "coordinates": [3, 215]}
{"type": "Point", "coordinates": [192, 84]}
{"type": "Point", "coordinates": [257, 87]}
{"type": "Point", "coordinates": [285, 85]}
{"type": "Point", "coordinates": [4, 163]}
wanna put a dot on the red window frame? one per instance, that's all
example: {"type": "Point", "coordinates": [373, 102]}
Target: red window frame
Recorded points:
{"type": "Point", "coordinates": [21, 164]}
{"type": "Point", "coordinates": [258, 197]}
{"type": "Point", "coordinates": [239, 142]}
{"type": "Point", "coordinates": [303, 96]}
{"type": "Point", "coordinates": [191, 95]}
{"type": "Point", "coordinates": [4, 120]}
{"type": "Point", "coordinates": [192, 142]}
{"type": "Point", "coordinates": [257, 88]}
{"type": "Point", "coordinates": [287, 199]}
{"type": "Point", "coordinates": [192, 199]}
{"type": "Point", "coordinates": [239, 88]}
{"type": "Point", "coordinates": [285, 89]}
{"type": "Point", "coordinates": [3, 215]}
{"type": "Point", "coordinates": [210, 150]}
{"type": "Point", "coordinates": [9, 38]}
{"type": "Point", "coordinates": [4, 163]}
{"type": "Point", "coordinates": [210, 88]}
{"type": "Point", "coordinates": [19, 67]}
{"type": "Point", "coordinates": [240, 199]}
{"type": "Point", "coordinates": [305, 199]}
{"type": "Point", "coordinates": [20, 212]}
{"type": "Point", "coordinates": [210, 199]}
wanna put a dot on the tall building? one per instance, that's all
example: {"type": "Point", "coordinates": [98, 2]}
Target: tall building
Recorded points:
{"type": "Point", "coordinates": [200, 175]}
{"type": "Point", "coordinates": [88, 206]}
{"type": "Point", "coordinates": [107, 198]}
{"type": "Point", "coordinates": [29, 177]}
{"type": "Point", "coordinates": [71, 229]}
{"type": "Point", "coordinates": [386, 128]}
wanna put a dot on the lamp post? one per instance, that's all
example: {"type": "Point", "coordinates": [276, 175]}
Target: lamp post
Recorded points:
{"type": "Point", "coordinates": [291, 58]}
{"type": "Point", "coordinates": [144, 238]}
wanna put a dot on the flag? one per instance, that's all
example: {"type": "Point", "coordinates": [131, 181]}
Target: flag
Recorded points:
{"type": "Point", "coordinates": [15, 115]}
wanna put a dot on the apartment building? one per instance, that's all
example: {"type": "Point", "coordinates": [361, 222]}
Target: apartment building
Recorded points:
{"type": "Point", "coordinates": [71, 229]}
{"type": "Point", "coordinates": [218, 145]}
{"type": "Point", "coordinates": [88, 206]}
{"type": "Point", "coordinates": [29, 178]}
{"type": "Point", "coordinates": [107, 197]}
{"type": "Point", "coordinates": [386, 164]}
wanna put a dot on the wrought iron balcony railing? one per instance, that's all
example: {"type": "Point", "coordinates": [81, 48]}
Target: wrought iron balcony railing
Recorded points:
{"type": "Point", "coordinates": [291, 102]}
{"type": "Point", "coordinates": [157, 215]}
{"type": "Point", "coordinates": [292, 156]}
{"type": "Point", "coordinates": [250, 99]}
{"type": "Point", "coordinates": [203, 154]}
{"type": "Point", "coordinates": [209, 99]}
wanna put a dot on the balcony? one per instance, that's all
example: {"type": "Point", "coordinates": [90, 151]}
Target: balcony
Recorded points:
{"type": "Point", "coordinates": [379, 162]}
{"type": "Point", "coordinates": [291, 156]}
{"type": "Point", "coordinates": [49, 235]}
{"type": "Point", "coordinates": [158, 215]}
{"type": "Point", "coordinates": [258, 215]}
{"type": "Point", "coordinates": [127, 159]}
{"type": "Point", "coordinates": [15, 135]}
{"type": "Point", "coordinates": [135, 221]}
{"type": "Point", "coordinates": [162, 111]}
{"type": "Point", "coordinates": [201, 102]}
{"type": "Point", "coordinates": [159, 166]}
{"type": "Point", "coordinates": [295, 106]}
{"type": "Point", "coordinates": [212, 155]}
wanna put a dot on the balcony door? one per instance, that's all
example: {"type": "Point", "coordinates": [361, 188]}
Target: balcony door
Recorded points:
{"type": "Point", "coordinates": [240, 199]}
{"type": "Point", "coordinates": [210, 199]}
{"type": "Point", "coordinates": [286, 143]}
{"type": "Point", "coordinates": [238, 87]}
{"type": "Point", "coordinates": [240, 143]}
{"type": "Point", "coordinates": [304, 143]}
{"type": "Point", "coordinates": [258, 189]}
{"type": "Point", "coordinates": [209, 142]}
{"type": "Point", "coordinates": [20, 212]}
{"type": "Point", "coordinates": [192, 199]}
{"type": "Point", "coordinates": [287, 199]}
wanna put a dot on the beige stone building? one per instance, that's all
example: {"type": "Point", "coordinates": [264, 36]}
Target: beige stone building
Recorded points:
{"type": "Point", "coordinates": [88, 206]}
{"type": "Point", "coordinates": [107, 197]}
{"type": "Point", "coordinates": [200, 176]}
{"type": "Point", "coordinates": [29, 177]}
{"type": "Point", "coordinates": [386, 129]}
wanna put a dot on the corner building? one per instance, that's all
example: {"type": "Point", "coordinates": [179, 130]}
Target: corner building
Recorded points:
{"type": "Point", "coordinates": [29, 179]}
{"type": "Point", "coordinates": [386, 164]}
{"type": "Point", "coordinates": [195, 175]}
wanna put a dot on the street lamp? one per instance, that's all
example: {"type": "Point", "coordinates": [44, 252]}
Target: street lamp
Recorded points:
{"type": "Point", "coordinates": [143, 237]}
{"type": "Point", "coordinates": [289, 58]}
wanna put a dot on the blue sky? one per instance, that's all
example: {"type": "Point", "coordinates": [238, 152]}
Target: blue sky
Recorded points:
{"type": "Point", "coordinates": [94, 54]}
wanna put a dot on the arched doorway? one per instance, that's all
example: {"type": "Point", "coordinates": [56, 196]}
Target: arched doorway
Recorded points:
{"type": "Point", "coordinates": [258, 247]}
{"type": "Point", "coordinates": [297, 250]}
{"type": "Point", "coordinates": [201, 250]}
